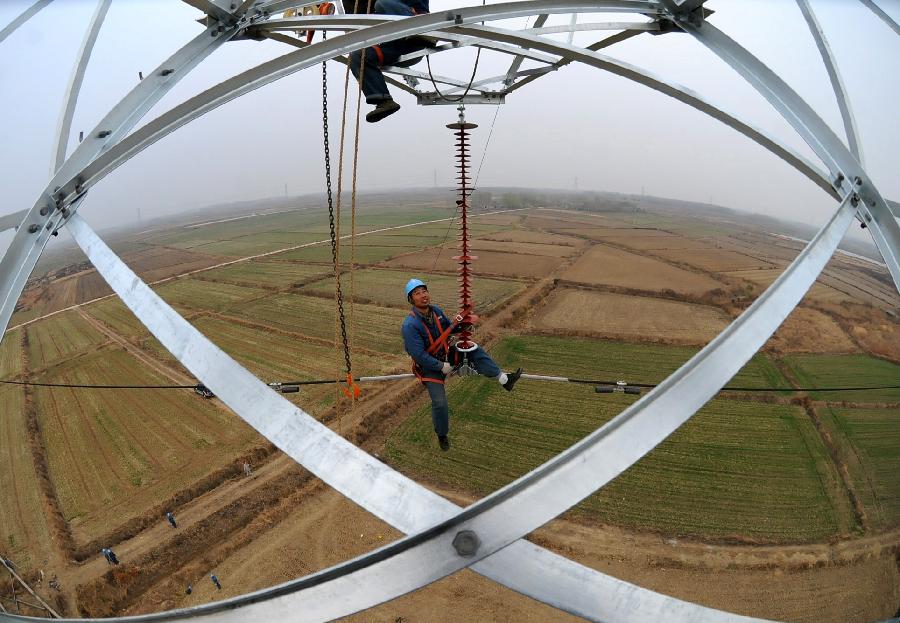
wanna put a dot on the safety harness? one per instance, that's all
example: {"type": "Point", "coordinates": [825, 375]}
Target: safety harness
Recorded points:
{"type": "Point", "coordinates": [437, 346]}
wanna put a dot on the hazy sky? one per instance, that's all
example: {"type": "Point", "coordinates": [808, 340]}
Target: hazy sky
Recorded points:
{"type": "Point", "coordinates": [579, 122]}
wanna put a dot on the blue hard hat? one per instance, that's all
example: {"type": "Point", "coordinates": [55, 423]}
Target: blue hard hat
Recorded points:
{"type": "Point", "coordinates": [412, 284]}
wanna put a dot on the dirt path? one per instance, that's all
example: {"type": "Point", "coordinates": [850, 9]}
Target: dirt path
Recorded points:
{"type": "Point", "coordinates": [170, 372]}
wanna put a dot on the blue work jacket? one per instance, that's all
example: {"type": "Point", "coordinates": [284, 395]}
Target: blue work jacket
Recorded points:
{"type": "Point", "coordinates": [416, 333]}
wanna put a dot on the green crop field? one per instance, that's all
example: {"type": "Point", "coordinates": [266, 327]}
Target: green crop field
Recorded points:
{"type": "Point", "coordinates": [385, 287]}
{"type": "Point", "coordinates": [198, 294]}
{"type": "Point", "coordinates": [612, 361]}
{"type": "Point", "coordinates": [376, 328]}
{"type": "Point", "coordinates": [59, 337]}
{"type": "Point", "coordinates": [846, 371]}
{"type": "Point", "coordinates": [363, 254]}
{"type": "Point", "coordinates": [874, 437]}
{"type": "Point", "coordinates": [250, 245]}
{"type": "Point", "coordinates": [276, 357]}
{"type": "Point", "coordinates": [11, 354]}
{"type": "Point", "coordinates": [750, 465]}
{"type": "Point", "coordinates": [114, 454]}
{"type": "Point", "coordinates": [24, 535]}
{"type": "Point", "coordinates": [113, 313]}
{"type": "Point", "coordinates": [263, 272]}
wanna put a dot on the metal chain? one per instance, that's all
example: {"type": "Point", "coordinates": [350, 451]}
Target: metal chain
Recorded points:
{"type": "Point", "coordinates": [334, 261]}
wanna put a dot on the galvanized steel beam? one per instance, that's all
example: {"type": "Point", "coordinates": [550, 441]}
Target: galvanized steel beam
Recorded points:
{"type": "Point", "coordinates": [834, 75]}
{"type": "Point", "coordinates": [71, 96]}
{"type": "Point", "coordinates": [48, 211]}
{"type": "Point", "coordinates": [22, 18]}
{"type": "Point", "coordinates": [873, 210]}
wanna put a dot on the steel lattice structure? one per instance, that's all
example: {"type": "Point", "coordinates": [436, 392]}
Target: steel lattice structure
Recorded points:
{"type": "Point", "coordinates": [442, 538]}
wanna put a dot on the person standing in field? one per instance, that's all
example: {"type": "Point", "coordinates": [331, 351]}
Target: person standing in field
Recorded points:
{"type": "Point", "coordinates": [171, 519]}
{"type": "Point", "coordinates": [215, 581]}
{"type": "Point", "coordinates": [432, 356]}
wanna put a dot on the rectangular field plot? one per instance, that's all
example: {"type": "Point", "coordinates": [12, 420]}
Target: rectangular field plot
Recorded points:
{"type": "Point", "coordinates": [629, 317]}
{"type": "Point", "coordinates": [113, 313]}
{"type": "Point", "coordinates": [610, 266]}
{"type": "Point", "coordinates": [24, 533]}
{"type": "Point", "coordinates": [277, 357]}
{"type": "Point", "coordinates": [11, 354]}
{"type": "Point", "coordinates": [715, 260]}
{"type": "Point", "coordinates": [846, 371]}
{"type": "Point", "coordinates": [583, 358]}
{"type": "Point", "coordinates": [114, 454]}
{"type": "Point", "coordinates": [535, 237]}
{"type": "Point", "coordinates": [874, 435]}
{"type": "Point", "coordinates": [524, 248]}
{"type": "Point", "coordinates": [488, 263]}
{"type": "Point", "coordinates": [363, 254]}
{"type": "Point", "coordinates": [735, 468]}
{"type": "Point", "coordinates": [207, 295]}
{"type": "Point", "coordinates": [385, 287]}
{"type": "Point", "coordinates": [657, 244]}
{"type": "Point", "coordinates": [59, 337]}
{"type": "Point", "coordinates": [246, 246]}
{"type": "Point", "coordinates": [264, 272]}
{"type": "Point", "coordinates": [810, 331]}
{"type": "Point", "coordinates": [376, 328]}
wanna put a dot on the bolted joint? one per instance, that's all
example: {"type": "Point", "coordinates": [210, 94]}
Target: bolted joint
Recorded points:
{"type": "Point", "coordinates": [34, 228]}
{"type": "Point", "coordinates": [103, 133]}
{"type": "Point", "coordinates": [854, 200]}
{"type": "Point", "coordinates": [858, 180]}
{"type": "Point", "coordinates": [45, 210]}
{"type": "Point", "coordinates": [166, 72]}
{"type": "Point", "coordinates": [466, 543]}
{"type": "Point", "coordinates": [838, 181]}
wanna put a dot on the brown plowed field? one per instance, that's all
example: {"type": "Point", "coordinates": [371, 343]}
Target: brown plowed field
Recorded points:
{"type": "Point", "coordinates": [638, 241]}
{"type": "Point", "coordinates": [526, 248]}
{"type": "Point", "coordinates": [810, 331]}
{"type": "Point", "coordinates": [629, 317]}
{"type": "Point", "coordinates": [613, 267]}
{"type": "Point", "coordinates": [488, 263]}
{"type": "Point", "coordinates": [537, 237]}
{"type": "Point", "coordinates": [713, 260]}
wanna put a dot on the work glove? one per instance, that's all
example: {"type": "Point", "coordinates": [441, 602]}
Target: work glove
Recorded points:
{"type": "Point", "coordinates": [446, 369]}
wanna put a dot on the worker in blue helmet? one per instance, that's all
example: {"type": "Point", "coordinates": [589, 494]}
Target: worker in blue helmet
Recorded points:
{"type": "Point", "coordinates": [433, 359]}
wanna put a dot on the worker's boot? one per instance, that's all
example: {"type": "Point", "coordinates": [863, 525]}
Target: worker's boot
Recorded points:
{"type": "Point", "coordinates": [382, 110]}
{"type": "Point", "coordinates": [511, 379]}
{"type": "Point", "coordinates": [444, 442]}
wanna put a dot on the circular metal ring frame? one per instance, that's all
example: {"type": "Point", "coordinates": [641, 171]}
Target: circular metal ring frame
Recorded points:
{"type": "Point", "coordinates": [491, 529]}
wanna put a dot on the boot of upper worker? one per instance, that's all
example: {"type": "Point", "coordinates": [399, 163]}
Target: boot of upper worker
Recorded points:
{"type": "Point", "coordinates": [511, 380]}
{"type": "Point", "coordinates": [382, 110]}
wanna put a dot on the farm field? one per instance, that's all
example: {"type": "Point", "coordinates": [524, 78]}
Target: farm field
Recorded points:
{"type": "Point", "coordinates": [273, 356]}
{"type": "Point", "coordinates": [730, 481]}
{"type": "Point", "coordinates": [114, 454]}
{"type": "Point", "coordinates": [363, 254]}
{"type": "Point", "coordinates": [624, 317]}
{"type": "Point", "coordinates": [261, 272]}
{"type": "Point", "coordinates": [60, 337]}
{"type": "Point", "coordinates": [198, 294]}
{"type": "Point", "coordinates": [385, 287]}
{"type": "Point", "coordinates": [535, 237]}
{"type": "Point", "coordinates": [810, 331]}
{"type": "Point", "coordinates": [24, 534]}
{"type": "Point", "coordinates": [736, 468]}
{"type": "Point", "coordinates": [11, 354]}
{"type": "Point", "coordinates": [609, 266]}
{"type": "Point", "coordinates": [376, 328]}
{"type": "Point", "coordinates": [522, 248]}
{"type": "Point", "coordinates": [874, 438]}
{"type": "Point", "coordinates": [488, 263]}
{"type": "Point", "coordinates": [854, 370]}
{"type": "Point", "coordinates": [158, 263]}
{"type": "Point", "coordinates": [714, 260]}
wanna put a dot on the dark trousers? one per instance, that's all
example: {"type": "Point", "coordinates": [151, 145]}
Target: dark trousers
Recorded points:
{"type": "Point", "coordinates": [374, 86]}
{"type": "Point", "coordinates": [440, 410]}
